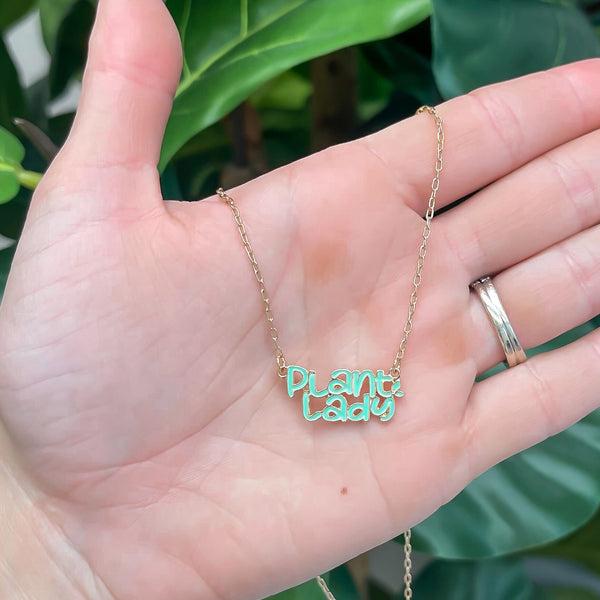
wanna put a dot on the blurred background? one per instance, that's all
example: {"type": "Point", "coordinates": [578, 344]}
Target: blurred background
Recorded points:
{"type": "Point", "coordinates": [266, 82]}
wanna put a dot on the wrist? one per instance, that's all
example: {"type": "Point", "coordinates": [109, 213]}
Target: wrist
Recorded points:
{"type": "Point", "coordinates": [37, 562]}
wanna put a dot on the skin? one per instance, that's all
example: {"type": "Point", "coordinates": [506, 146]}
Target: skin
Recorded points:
{"type": "Point", "coordinates": [148, 448]}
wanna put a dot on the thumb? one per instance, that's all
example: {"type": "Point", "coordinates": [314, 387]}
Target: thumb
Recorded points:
{"type": "Point", "coordinates": [130, 78]}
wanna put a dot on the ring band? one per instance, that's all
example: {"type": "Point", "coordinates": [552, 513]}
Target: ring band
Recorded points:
{"type": "Point", "coordinates": [506, 334]}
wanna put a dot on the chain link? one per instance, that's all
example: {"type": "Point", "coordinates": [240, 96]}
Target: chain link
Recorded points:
{"type": "Point", "coordinates": [279, 356]}
{"type": "Point", "coordinates": [325, 588]}
{"type": "Point", "coordinates": [395, 370]}
{"type": "Point", "coordinates": [407, 571]}
{"type": "Point", "coordinates": [435, 184]}
{"type": "Point", "coordinates": [407, 565]}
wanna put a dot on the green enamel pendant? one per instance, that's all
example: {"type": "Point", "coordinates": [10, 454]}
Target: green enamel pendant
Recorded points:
{"type": "Point", "coordinates": [378, 399]}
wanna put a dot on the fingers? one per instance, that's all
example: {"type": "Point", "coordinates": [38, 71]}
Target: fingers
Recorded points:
{"type": "Point", "coordinates": [128, 86]}
{"type": "Point", "coordinates": [544, 296]}
{"type": "Point", "coordinates": [543, 202]}
{"type": "Point", "coordinates": [524, 405]}
{"type": "Point", "coordinates": [489, 132]}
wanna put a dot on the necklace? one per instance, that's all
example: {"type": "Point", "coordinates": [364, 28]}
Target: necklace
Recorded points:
{"type": "Point", "coordinates": [382, 387]}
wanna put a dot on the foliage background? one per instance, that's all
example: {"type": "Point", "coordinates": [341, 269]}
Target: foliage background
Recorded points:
{"type": "Point", "coordinates": [266, 82]}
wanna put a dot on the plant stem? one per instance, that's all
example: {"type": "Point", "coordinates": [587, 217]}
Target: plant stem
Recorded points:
{"type": "Point", "coordinates": [335, 98]}
{"type": "Point", "coordinates": [28, 179]}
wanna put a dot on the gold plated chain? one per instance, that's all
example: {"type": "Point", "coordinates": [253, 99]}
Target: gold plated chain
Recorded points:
{"type": "Point", "coordinates": [279, 357]}
{"type": "Point", "coordinates": [393, 377]}
{"type": "Point", "coordinates": [435, 184]}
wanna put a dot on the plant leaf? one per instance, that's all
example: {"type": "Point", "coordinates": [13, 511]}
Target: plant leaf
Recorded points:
{"type": "Point", "coordinates": [582, 546]}
{"type": "Point", "coordinates": [572, 594]}
{"type": "Point", "coordinates": [527, 500]}
{"type": "Point", "coordinates": [13, 11]}
{"type": "Point", "coordinates": [13, 214]}
{"type": "Point", "coordinates": [52, 13]}
{"type": "Point", "coordinates": [232, 47]}
{"type": "Point", "coordinates": [556, 571]}
{"type": "Point", "coordinates": [12, 102]}
{"type": "Point", "coordinates": [500, 579]}
{"type": "Point", "coordinates": [12, 152]}
{"type": "Point", "coordinates": [338, 580]}
{"type": "Point", "coordinates": [341, 584]}
{"type": "Point", "coordinates": [71, 45]}
{"type": "Point", "coordinates": [532, 498]}
{"type": "Point", "coordinates": [6, 257]}
{"type": "Point", "coordinates": [286, 91]}
{"type": "Point", "coordinates": [9, 185]}
{"type": "Point", "coordinates": [309, 590]}
{"type": "Point", "coordinates": [477, 43]}
{"type": "Point", "coordinates": [405, 68]}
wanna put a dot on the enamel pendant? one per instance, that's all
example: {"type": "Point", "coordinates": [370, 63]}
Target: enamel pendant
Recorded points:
{"type": "Point", "coordinates": [376, 393]}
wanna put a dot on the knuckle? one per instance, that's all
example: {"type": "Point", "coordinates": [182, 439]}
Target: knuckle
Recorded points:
{"type": "Point", "coordinates": [501, 118]}
{"type": "Point", "coordinates": [583, 268]}
{"type": "Point", "coordinates": [579, 186]}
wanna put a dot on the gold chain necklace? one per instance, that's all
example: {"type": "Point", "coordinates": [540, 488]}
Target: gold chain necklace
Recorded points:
{"type": "Point", "coordinates": [383, 387]}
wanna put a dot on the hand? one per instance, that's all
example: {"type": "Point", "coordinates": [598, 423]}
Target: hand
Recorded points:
{"type": "Point", "coordinates": [137, 378]}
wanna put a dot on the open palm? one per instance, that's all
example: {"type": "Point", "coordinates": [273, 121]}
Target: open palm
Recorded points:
{"type": "Point", "coordinates": [138, 382]}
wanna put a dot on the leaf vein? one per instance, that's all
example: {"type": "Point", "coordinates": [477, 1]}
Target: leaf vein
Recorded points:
{"type": "Point", "coordinates": [193, 76]}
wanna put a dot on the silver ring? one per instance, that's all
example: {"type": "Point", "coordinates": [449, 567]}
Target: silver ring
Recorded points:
{"type": "Point", "coordinates": [506, 334]}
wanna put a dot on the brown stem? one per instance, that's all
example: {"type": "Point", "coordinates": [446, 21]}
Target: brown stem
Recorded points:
{"type": "Point", "coordinates": [334, 99]}
{"type": "Point", "coordinates": [240, 152]}
{"type": "Point", "coordinates": [249, 156]}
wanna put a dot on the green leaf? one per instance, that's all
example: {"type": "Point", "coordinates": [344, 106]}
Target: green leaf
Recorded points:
{"type": "Point", "coordinates": [37, 97]}
{"type": "Point", "coordinates": [169, 184]}
{"type": "Point", "coordinates": [572, 594]}
{"type": "Point", "coordinates": [6, 257]}
{"type": "Point", "coordinates": [9, 185]}
{"type": "Point", "coordinates": [71, 45]}
{"type": "Point", "coordinates": [338, 580]}
{"type": "Point", "coordinates": [232, 47]}
{"type": "Point", "coordinates": [13, 214]}
{"type": "Point", "coordinates": [477, 43]}
{"type": "Point", "coordinates": [59, 127]}
{"type": "Point", "coordinates": [500, 579]}
{"type": "Point", "coordinates": [12, 102]}
{"type": "Point", "coordinates": [286, 135]}
{"type": "Point", "coordinates": [341, 584]}
{"type": "Point", "coordinates": [375, 591]}
{"type": "Point", "coordinates": [12, 152]}
{"type": "Point", "coordinates": [13, 11]}
{"type": "Point", "coordinates": [12, 175]}
{"type": "Point", "coordinates": [287, 91]}
{"type": "Point", "coordinates": [582, 546]}
{"type": "Point", "coordinates": [375, 89]}
{"type": "Point", "coordinates": [52, 13]}
{"type": "Point", "coordinates": [407, 69]}
{"type": "Point", "coordinates": [532, 498]}
{"type": "Point", "coordinates": [309, 590]}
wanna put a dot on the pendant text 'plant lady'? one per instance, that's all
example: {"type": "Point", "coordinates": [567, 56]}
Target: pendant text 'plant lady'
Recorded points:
{"type": "Point", "coordinates": [378, 399]}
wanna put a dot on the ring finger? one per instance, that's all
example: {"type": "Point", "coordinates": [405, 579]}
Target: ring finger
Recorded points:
{"type": "Point", "coordinates": [544, 296]}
